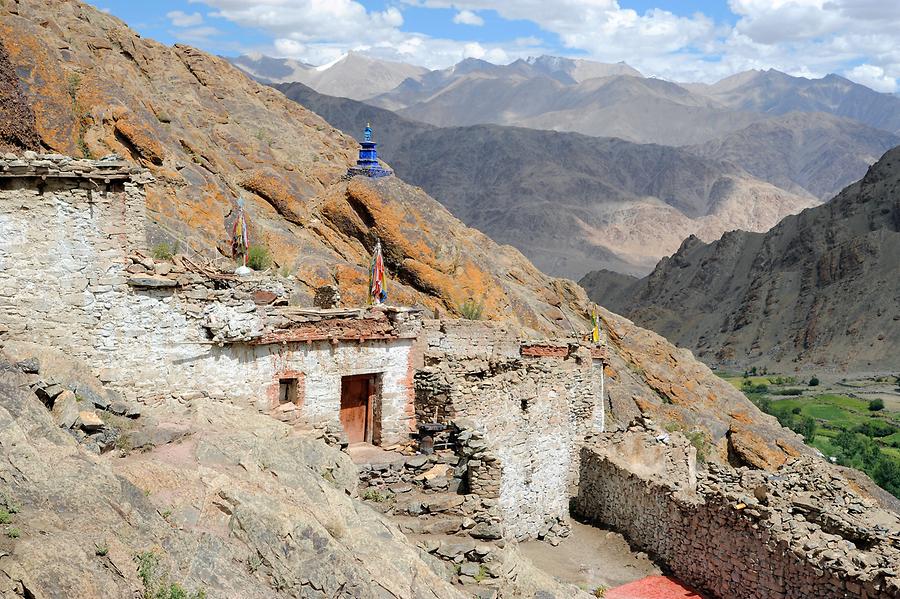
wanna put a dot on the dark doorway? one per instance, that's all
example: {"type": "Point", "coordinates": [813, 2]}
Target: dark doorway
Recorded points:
{"type": "Point", "coordinates": [287, 391]}
{"type": "Point", "coordinates": [359, 396]}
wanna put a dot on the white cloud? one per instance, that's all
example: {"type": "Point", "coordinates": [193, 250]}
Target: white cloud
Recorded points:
{"type": "Point", "coordinates": [467, 17]}
{"type": "Point", "coordinates": [196, 35]}
{"type": "Point", "coordinates": [873, 77]}
{"type": "Point", "coordinates": [182, 19]}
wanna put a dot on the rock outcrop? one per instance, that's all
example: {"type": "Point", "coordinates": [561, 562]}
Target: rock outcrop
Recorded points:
{"type": "Point", "coordinates": [819, 289]}
{"type": "Point", "coordinates": [17, 130]}
{"type": "Point", "coordinates": [241, 507]}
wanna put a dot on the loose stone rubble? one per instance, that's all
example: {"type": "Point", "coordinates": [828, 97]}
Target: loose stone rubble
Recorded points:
{"type": "Point", "coordinates": [799, 533]}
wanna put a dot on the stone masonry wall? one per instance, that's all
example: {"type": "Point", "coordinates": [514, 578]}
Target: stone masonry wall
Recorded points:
{"type": "Point", "coordinates": [523, 417]}
{"type": "Point", "coordinates": [64, 282]}
{"type": "Point", "coordinates": [742, 534]}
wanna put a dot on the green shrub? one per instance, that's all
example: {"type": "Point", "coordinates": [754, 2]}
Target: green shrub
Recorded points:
{"type": "Point", "coordinates": [701, 443]}
{"type": "Point", "coordinates": [5, 517]}
{"type": "Point", "coordinates": [787, 392]}
{"type": "Point", "coordinates": [13, 533]}
{"type": "Point", "coordinates": [814, 381]}
{"type": "Point", "coordinates": [876, 405]}
{"type": "Point", "coordinates": [375, 495]}
{"type": "Point", "coordinates": [101, 549]}
{"type": "Point", "coordinates": [164, 251]}
{"type": "Point", "coordinates": [156, 583]}
{"type": "Point", "coordinates": [258, 257]}
{"type": "Point", "coordinates": [472, 310]}
{"type": "Point", "coordinates": [875, 428]}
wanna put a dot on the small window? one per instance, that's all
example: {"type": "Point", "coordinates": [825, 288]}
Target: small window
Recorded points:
{"type": "Point", "coordinates": [287, 391]}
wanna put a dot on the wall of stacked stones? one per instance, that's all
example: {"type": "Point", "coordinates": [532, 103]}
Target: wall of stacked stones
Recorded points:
{"type": "Point", "coordinates": [522, 418]}
{"type": "Point", "coordinates": [704, 541]}
{"type": "Point", "coordinates": [63, 282]}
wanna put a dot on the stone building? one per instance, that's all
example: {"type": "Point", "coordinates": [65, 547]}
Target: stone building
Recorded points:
{"type": "Point", "coordinates": [75, 274]}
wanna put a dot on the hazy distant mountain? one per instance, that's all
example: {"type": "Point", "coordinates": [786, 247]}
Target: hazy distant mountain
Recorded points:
{"type": "Point", "coordinates": [578, 70]}
{"type": "Point", "coordinates": [537, 94]}
{"type": "Point", "coordinates": [354, 75]}
{"type": "Point", "coordinates": [814, 153]}
{"type": "Point", "coordinates": [822, 287]}
{"type": "Point", "coordinates": [774, 92]}
{"type": "Point", "coordinates": [568, 201]}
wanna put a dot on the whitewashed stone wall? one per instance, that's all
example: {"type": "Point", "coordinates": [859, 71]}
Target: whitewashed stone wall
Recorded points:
{"type": "Point", "coordinates": [63, 283]}
{"type": "Point", "coordinates": [533, 414]}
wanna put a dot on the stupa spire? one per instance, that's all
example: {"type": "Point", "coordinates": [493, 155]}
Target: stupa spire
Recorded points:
{"type": "Point", "coordinates": [367, 165]}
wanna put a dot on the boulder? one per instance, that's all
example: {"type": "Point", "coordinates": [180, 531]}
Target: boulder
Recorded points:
{"type": "Point", "coordinates": [89, 420]}
{"type": "Point", "coordinates": [65, 409]}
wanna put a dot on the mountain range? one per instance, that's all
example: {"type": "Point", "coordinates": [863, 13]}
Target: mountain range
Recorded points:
{"type": "Point", "coordinates": [821, 288]}
{"type": "Point", "coordinates": [569, 202]}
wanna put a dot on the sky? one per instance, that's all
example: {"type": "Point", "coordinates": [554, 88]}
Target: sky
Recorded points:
{"type": "Point", "coordinates": [679, 40]}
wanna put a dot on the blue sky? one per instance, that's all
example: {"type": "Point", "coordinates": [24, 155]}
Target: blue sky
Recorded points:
{"type": "Point", "coordinates": [685, 40]}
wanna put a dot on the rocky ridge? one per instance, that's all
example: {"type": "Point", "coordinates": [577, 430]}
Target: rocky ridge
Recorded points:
{"type": "Point", "coordinates": [820, 288]}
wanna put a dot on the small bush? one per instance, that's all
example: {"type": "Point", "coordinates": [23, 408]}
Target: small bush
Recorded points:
{"type": "Point", "coordinates": [5, 517]}
{"type": "Point", "coordinates": [258, 257]}
{"type": "Point", "coordinates": [814, 382]}
{"type": "Point", "coordinates": [701, 443]}
{"type": "Point", "coordinates": [472, 310]}
{"type": "Point", "coordinates": [599, 592]}
{"type": "Point", "coordinates": [375, 495]}
{"type": "Point", "coordinates": [101, 549]}
{"type": "Point", "coordinates": [13, 533]}
{"type": "Point", "coordinates": [796, 410]}
{"type": "Point", "coordinates": [164, 251]}
{"type": "Point", "coordinates": [876, 405]}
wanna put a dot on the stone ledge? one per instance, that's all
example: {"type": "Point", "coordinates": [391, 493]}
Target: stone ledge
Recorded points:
{"type": "Point", "coordinates": [56, 166]}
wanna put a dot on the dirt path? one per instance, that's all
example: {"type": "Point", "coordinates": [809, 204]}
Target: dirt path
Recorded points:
{"type": "Point", "coordinates": [590, 557]}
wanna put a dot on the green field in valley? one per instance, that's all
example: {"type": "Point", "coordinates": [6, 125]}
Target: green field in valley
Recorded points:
{"type": "Point", "coordinates": [854, 431]}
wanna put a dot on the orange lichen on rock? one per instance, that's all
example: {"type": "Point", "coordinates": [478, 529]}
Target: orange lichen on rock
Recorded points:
{"type": "Point", "coordinates": [139, 139]}
{"type": "Point", "coordinates": [754, 450]}
{"type": "Point", "coordinates": [48, 87]}
{"type": "Point", "coordinates": [274, 190]}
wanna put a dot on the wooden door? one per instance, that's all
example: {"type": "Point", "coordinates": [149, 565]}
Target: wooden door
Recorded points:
{"type": "Point", "coordinates": [356, 407]}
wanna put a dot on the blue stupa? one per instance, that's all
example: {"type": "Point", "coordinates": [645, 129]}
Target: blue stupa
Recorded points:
{"type": "Point", "coordinates": [367, 165]}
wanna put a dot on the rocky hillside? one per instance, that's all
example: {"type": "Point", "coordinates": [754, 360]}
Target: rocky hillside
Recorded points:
{"type": "Point", "coordinates": [822, 287]}
{"type": "Point", "coordinates": [201, 515]}
{"type": "Point", "coordinates": [813, 152]}
{"type": "Point", "coordinates": [569, 202]}
{"type": "Point", "coordinates": [774, 92]}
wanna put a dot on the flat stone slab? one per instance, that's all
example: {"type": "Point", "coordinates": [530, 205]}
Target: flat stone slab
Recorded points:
{"type": "Point", "coordinates": [141, 280]}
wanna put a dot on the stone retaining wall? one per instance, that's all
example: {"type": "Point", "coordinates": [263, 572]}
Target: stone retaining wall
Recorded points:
{"type": "Point", "coordinates": [742, 534]}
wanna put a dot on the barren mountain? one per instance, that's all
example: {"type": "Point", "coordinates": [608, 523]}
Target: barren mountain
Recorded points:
{"type": "Point", "coordinates": [815, 152]}
{"type": "Point", "coordinates": [621, 105]}
{"type": "Point", "coordinates": [822, 287]}
{"type": "Point", "coordinates": [567, 201]}
{"type": "Point", "coordinates": [774, 92]}
{"type": "Point", "coordinates": [354, 75]}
